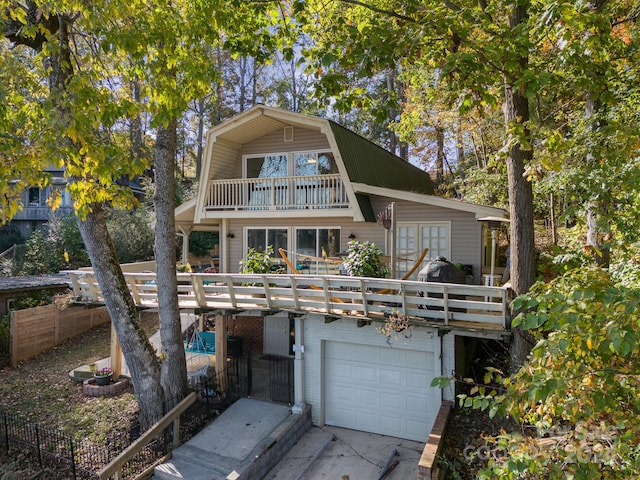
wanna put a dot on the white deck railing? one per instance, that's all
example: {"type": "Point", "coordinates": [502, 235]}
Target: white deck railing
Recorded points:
{"type": "Point", "coordinates": [281, 193]}
{"type": "Point", "coordinates": [442, 303]}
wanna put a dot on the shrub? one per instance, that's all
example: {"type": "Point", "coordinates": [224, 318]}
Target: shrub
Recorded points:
{"type": "Point", "coordinates": [257, 261]}
{"type": "Point", "coordinates": [364, 259]}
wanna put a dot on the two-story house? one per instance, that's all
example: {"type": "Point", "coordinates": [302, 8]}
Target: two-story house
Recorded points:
{"type": "Point", "coordinates": [309, 186]}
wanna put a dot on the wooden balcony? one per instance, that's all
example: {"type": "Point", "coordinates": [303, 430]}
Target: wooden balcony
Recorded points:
{"type": "Point", "coordinates": [281, 193]}
{"type": "Point", "coordinates": [439, 304]}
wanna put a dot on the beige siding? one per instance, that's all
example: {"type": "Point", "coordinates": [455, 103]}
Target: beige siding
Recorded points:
{"type": "Point", "coordinates": [222, 168]}
{"type": "Point", "coordinates": [466, 241]}
{"type": "Point", "coordinates": [465, 230]}
{"type": "Point", "coordinates": [303, 139]}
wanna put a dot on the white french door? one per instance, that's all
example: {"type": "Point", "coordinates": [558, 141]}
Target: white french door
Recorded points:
{"type": "Point", "coordinates": [412, 238]}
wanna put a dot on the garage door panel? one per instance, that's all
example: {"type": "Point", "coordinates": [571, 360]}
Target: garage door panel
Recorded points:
{"type": "Point", "coordinates": [366, 397]}
{"type": "Point", "coordinates": [391, 400]}
{"type": "Point", "coordinates": [342, 394]}
{"type": "Point", "coordinates": [368, 420]}
{"type": "Point", "coordinates": [417, 429]}
{"type": "Point", "coordinates": [417, 379]}
{"type": "Point", "coordinates": [393, 426]}
{"type": "Point", "coordinates": [393, 377]}
{"type": "Point", "coordinates": [367, 374]}
{"type": "Point", "coordinates": [379, 390]}
{"type": "Point", "coordinates": [417, 405]}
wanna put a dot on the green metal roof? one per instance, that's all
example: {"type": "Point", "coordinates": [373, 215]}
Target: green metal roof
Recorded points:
{"type": "Point", "coordinates": [371, 164]}
{"type": "Point", "coordinates": [364, 202]}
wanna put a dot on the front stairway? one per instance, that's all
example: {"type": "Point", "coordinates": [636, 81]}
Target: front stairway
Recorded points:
{"type": "Point", "coordinates": [244, 443]}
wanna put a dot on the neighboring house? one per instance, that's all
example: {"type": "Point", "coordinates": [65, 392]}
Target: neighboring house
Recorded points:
{"type": "Point", "coordinates": [308, 185]}
{"type": "Point", "coordinates": [14, 288]}
{"type": "Point", "coordinates": [36, 211]}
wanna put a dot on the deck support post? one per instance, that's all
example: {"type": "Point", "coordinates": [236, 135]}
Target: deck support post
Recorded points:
{"type": "Point", "coordinates": [299, 394]}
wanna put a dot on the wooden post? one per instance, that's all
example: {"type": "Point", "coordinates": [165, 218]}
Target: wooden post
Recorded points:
{"type": "Point", "coordinates": [116, 354]}
{"type": "Point", "coordinates": [221, 342]}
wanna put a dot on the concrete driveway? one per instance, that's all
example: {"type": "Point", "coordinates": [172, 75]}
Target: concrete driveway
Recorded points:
{"type": "Point", "coordinates": [351, 455]}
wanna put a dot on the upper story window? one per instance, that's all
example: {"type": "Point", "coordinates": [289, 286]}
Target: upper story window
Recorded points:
{"type": "Point", "coordinates": [290, 164]}
{"type": "Point", "coordinates": [267, 166]}
{"type": "Point", "coordinates": [314, 163]}
{"type": "Point", "coordinates": [33, 197]}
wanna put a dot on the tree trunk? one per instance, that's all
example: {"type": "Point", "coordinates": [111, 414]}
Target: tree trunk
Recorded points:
{"type": "Point", "coordinates": [516, 111]}
{"type": "Point", "coordinates": [174, 373]}
{"type": "Point", "coordinates": [136, 349]}
{"type": "Point", "coordinates": [439, 155]}
{"type": "Point", "coordinates": [595, 231]}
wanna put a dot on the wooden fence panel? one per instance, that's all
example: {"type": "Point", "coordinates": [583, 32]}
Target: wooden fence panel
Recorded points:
{"type": "Point", "coordinates": [35, 330]}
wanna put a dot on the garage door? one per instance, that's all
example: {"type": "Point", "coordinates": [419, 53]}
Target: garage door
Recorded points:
{"type": "Point", "coordinates": [380, 390]}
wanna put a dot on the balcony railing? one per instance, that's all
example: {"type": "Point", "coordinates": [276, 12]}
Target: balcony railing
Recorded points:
{"type": "Point", "coordinates": [281, 193]}
{"type": "Point", "coordinates": [440, 303]}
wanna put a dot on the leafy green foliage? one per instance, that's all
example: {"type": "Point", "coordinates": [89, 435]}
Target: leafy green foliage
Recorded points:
{"type": "Point", "coordinates": [365, 259]}
{"type": "Point", "coordinates": [132, 235]}
{"type": "Point", "coordinates": [56, 248]}
{"type": "Point", "coordinates": [579, 390]}
{"type": "Point", "coordinates": [201, 243]}
{"type": "Point", "coordinates": [258, 261]}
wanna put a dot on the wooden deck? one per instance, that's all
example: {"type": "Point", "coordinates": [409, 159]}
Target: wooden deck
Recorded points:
{"type": "Point", "coordinates": [442, 304]}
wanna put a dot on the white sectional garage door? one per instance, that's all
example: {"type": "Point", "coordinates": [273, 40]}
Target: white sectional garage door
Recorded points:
{"type": "Point", "coordinates": [380, 390]}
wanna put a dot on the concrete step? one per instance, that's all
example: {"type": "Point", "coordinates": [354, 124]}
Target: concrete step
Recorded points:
{"type": "Point", "coordinates": [244, 443]}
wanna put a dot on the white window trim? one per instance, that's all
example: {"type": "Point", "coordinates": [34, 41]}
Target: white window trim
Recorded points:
{"type": "Point", "coordinates": [245, 236]}
{"type": "Point", "coordinates": [258, 155]}
{"type": "Point", "coordinates": [290, 158]}
{"type": "Point", "coordinates": [418, 226]}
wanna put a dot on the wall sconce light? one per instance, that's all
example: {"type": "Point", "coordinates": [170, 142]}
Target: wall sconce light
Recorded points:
{"type": "Point", "coordinates": [230, 235]}
{"type": "Point", "coordinates": [352, 236]}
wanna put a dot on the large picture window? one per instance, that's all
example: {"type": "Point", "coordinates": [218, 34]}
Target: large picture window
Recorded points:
{"type": "Point", "coordinates": [314, 163]}
{"type": "Point", "coordinates": [267, 166]}
{"type": "Point", "coordinates": [312, 244]}
{"type": "Point", "coordinates": [260, 238]}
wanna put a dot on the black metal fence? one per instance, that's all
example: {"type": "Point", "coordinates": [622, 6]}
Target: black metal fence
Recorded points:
{"type": "Point", "coordinates": [81, 459]}
{"type": "Point", "coordinates": [281, 379]}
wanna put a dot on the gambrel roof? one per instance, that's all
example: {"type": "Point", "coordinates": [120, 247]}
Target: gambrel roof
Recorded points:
{"type": "Point", "coordinates": [359, 161]}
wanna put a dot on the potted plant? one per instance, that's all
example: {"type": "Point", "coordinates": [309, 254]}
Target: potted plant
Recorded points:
{"type": "Point", "coordinates": [364, 259]}
{"type": "Point", "coordinates": [257, 261]}
{"type": "Point", "coordinates": [102, 376]}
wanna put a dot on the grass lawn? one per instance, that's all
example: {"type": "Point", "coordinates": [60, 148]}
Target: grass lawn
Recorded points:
{"type": "Point", "coordinates": [40, 390]}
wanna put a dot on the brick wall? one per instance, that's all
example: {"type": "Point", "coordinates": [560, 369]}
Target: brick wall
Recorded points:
{"type": "Point", "coordinates": [250, 329]}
